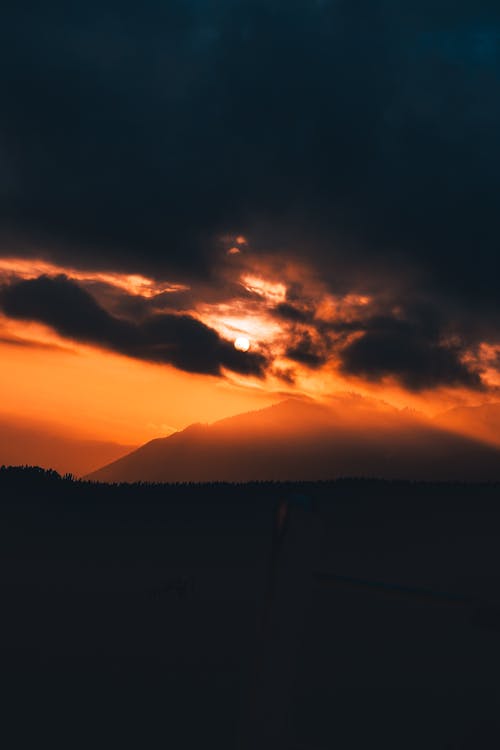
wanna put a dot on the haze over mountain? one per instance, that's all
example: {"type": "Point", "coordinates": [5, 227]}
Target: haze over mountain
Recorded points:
{"type": "Point", "coordinates": [32, 443]}
{"type": "Point", "coordinates": [481, 422]}
{"type": "Point", "coordinates": [303, 440]}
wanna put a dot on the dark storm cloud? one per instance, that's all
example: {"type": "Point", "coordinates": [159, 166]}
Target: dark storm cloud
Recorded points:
{"type": "Point", "coordinates": [179, 340]}
{"type": "Point", "coordinates": [291, 313]}
{"type": "Point", "coordinates": [360, 136]}
{"type": "Point", "coordinates": [411, 343]}
{"type": "Point", "coordinates": [411, 353]}
{"type": "Point", "coordinates": [131, 135]}
{"type": "Point", "coordinates": [305, 352]}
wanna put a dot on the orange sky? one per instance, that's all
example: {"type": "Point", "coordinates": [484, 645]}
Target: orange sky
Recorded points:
{"type": "Point", "coordinates": [91, 393]}
{"type": "Point", "coordinates": [99, 395]}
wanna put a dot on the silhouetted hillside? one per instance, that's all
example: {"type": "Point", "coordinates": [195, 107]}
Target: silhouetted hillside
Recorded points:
{"type": "Point", "coordinates": [266, 615]}
{"type": "Point", "coordinates": [304, 441]}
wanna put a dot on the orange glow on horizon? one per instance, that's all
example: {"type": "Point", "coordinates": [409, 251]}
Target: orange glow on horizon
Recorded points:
{"type": "Point", "coordinates": [87, 392]}
{"type": "Point", "coordinates": [98, 395]}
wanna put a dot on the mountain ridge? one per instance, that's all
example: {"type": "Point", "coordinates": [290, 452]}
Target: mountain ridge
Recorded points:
{"type": "Point", "coordinates": [305, 440]}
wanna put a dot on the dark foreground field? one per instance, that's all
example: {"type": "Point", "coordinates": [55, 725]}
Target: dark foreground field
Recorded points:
{"type": "Point", "coordinates": [350, 614]}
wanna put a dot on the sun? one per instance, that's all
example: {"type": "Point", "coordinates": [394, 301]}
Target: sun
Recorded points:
{"type": "Point", "coordinates": [242, 344]}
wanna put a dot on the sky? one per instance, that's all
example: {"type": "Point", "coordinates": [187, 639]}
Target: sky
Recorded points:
{"type": "Point", "coordinates": [316, 181]}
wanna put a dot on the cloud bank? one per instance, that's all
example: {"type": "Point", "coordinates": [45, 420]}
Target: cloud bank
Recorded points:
{"type": "Point", "coordinates": [359, 138]}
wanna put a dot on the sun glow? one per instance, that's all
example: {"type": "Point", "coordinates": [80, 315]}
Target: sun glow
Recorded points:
{"type": "Point", "coordinates": [242, 344]}
{"type": "Point", "coordinates": [271, 312]}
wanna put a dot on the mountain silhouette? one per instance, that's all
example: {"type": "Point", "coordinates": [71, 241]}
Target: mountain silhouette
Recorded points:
{"type": "Point", "coordinates": [300, 440]}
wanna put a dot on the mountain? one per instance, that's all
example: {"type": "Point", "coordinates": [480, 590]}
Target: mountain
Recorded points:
{"type": "Point", "coordinates": [34, 444]}
{"type": "Point", "coordinates": [302, 440]}
{"type": "Point", "coordinates": [481, 422]}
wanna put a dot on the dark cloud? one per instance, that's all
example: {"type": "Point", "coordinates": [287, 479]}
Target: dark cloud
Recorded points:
{"type": "Point", "coordinates": [293, 314]}
{"type": "Point", "coordinates": [412, 354]}
{"type": "Point", "coordinates": [179, 340]}
{"type": "Point", "coordinates": [362, 133]}
{"type": "Point", "coordinates": [361, 137]}
{"type": "Point", "coordinates": [411, 343]}
{"type": "Point", "coordinates": [305, 351]}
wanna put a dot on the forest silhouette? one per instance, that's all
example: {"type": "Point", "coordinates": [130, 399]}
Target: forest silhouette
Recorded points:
{"type": "Point", "coordinates": [266, 614]}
